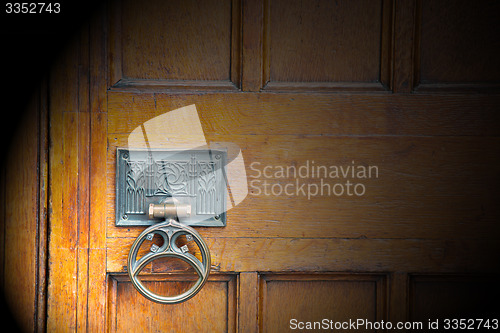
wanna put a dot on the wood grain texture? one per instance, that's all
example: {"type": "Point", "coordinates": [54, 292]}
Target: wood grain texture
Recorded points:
{"type": "Point", "coordinates": [248, 302]}
{"type": "Point", "coordinates": [346, 48]}
{"type": "Point", "coordinates": [22, 219]}
{"type": "Point", "coordinates": [134, 313]}
{"type": "Point", "coordinates": [252, 40]}
{"type": "Point", "coordinates": [398, 307]}
{"type": "Point", "coordinates": [114, 46]}
{"type": "Point", "coordinates": [431, 200]}
{"type": "Point", "coordinates": [77, 251]}
{"type": "Point", "coordinates": [63, 217]}
{"type": "Point", "coordinates": [405, 45]}
{"type": "Point", "coordinates": [315, 114]}
{"type": "Point", "coordinates": [314, 298]}
{"type": "Point", "coordinates": [96, 246]}
{"type": "Point", "coordinates": [96, 257]}
{"type": "Point", "coordinates": [176, 40]}
{"type": "Point", "coordinates": [247, 254]}
{"type": "Point", "coordinates": [421, 192]}
{"type": "Point", "coordinates": [459, 42]}
{"type": "Point", "coordinates": [82, 187]}
{"type": "Point", "coordinates": [431, 210]}
{"type": "Point", "coordinates": [43, 209]}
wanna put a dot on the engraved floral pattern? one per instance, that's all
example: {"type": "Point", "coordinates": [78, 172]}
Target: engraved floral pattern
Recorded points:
{"type": "Point", "coordinates": [135, 188]}
{"type": "Point", "coordinates": [147, 179]}
{"type": "Point", "coordinates": [172, 178]}
{"type": "Point", "coordinates": [206, 182]}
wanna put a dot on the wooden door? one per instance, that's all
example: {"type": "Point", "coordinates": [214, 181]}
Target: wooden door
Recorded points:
{"type": "Point", "coordinates": [403, 93]}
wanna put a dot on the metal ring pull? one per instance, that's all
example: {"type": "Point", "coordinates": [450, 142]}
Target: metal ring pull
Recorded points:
{"type": "Point", "coordinates": [169, 230]}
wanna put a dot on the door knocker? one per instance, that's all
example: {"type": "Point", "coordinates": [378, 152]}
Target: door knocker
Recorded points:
{"type": "Point", "coordinates": [170, 191]}
{"type": "Point", "coordinates": [169, 230]}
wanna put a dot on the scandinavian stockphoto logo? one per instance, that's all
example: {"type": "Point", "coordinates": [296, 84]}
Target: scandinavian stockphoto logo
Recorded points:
{"type": "Point", "coordinates": [181, 130]}
{"type": "Point", "coordinates": [310, 179]}
{"type": "Point", "coordinates": [191, 170]}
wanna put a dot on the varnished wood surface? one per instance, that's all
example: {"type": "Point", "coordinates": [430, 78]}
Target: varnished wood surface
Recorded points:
{"type": "Point", "coordinates": [350, 45]}
{"type": "Point", "coordinates": [200, 50]}
{"type": "Point", "coordinates": [77, 252]}
{"type": "Point", "coordinates": [316, 254]}
{"type": "Point", "coordinates": [467, 42]}
{"type": "Point", "coordinates": [427, 187]}
{"type": "Point", "coordinates": [248, 302]}
{"type": "Point", "coordinates": [432, 209]}
{"type": "Point", "coordinates": [66, 190]}
{"type": "Point", "coordinates": [315, 114]}
{"type": "Point", "coordinates": [421, 192]}
{"type": "Point", "coordinates": [133, 313]}
{"type": "Point", "coordinates": [314, 298]}
{"type": "Point", "coordinates": [23, 219]}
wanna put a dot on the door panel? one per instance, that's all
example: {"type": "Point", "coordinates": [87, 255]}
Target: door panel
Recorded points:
{"type": "Point", "coordinates": [457, 48]}
{"type": "Point", "coordinates": [204, 51]}
{"type": "Point", "coordinates": [353, 46]}
{"type": "Point", "coordinates": [313, 298]}
{"type": "Point", "coordinates": [199, 51]}
{"type": "Point", "coordinates": [212, 310]}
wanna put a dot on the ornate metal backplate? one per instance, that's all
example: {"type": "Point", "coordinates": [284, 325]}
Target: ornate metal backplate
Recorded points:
{"type": "Point", "coordinates": [192, 177]}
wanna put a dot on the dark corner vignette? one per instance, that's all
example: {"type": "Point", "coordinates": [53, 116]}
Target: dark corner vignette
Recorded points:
{"type": "Point", "coordinates": [32, 34]}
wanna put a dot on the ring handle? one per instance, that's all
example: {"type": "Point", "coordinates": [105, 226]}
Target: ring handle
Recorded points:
{"type": "Point", "coordinates": [169, 230]}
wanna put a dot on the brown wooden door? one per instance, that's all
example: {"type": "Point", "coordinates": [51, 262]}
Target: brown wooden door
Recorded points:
{"type": "Point", "coordinates": [403, 93]}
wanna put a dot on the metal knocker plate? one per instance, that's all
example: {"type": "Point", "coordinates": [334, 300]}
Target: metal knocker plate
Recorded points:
{"type": "Point", "coordinates": [169, 230]}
